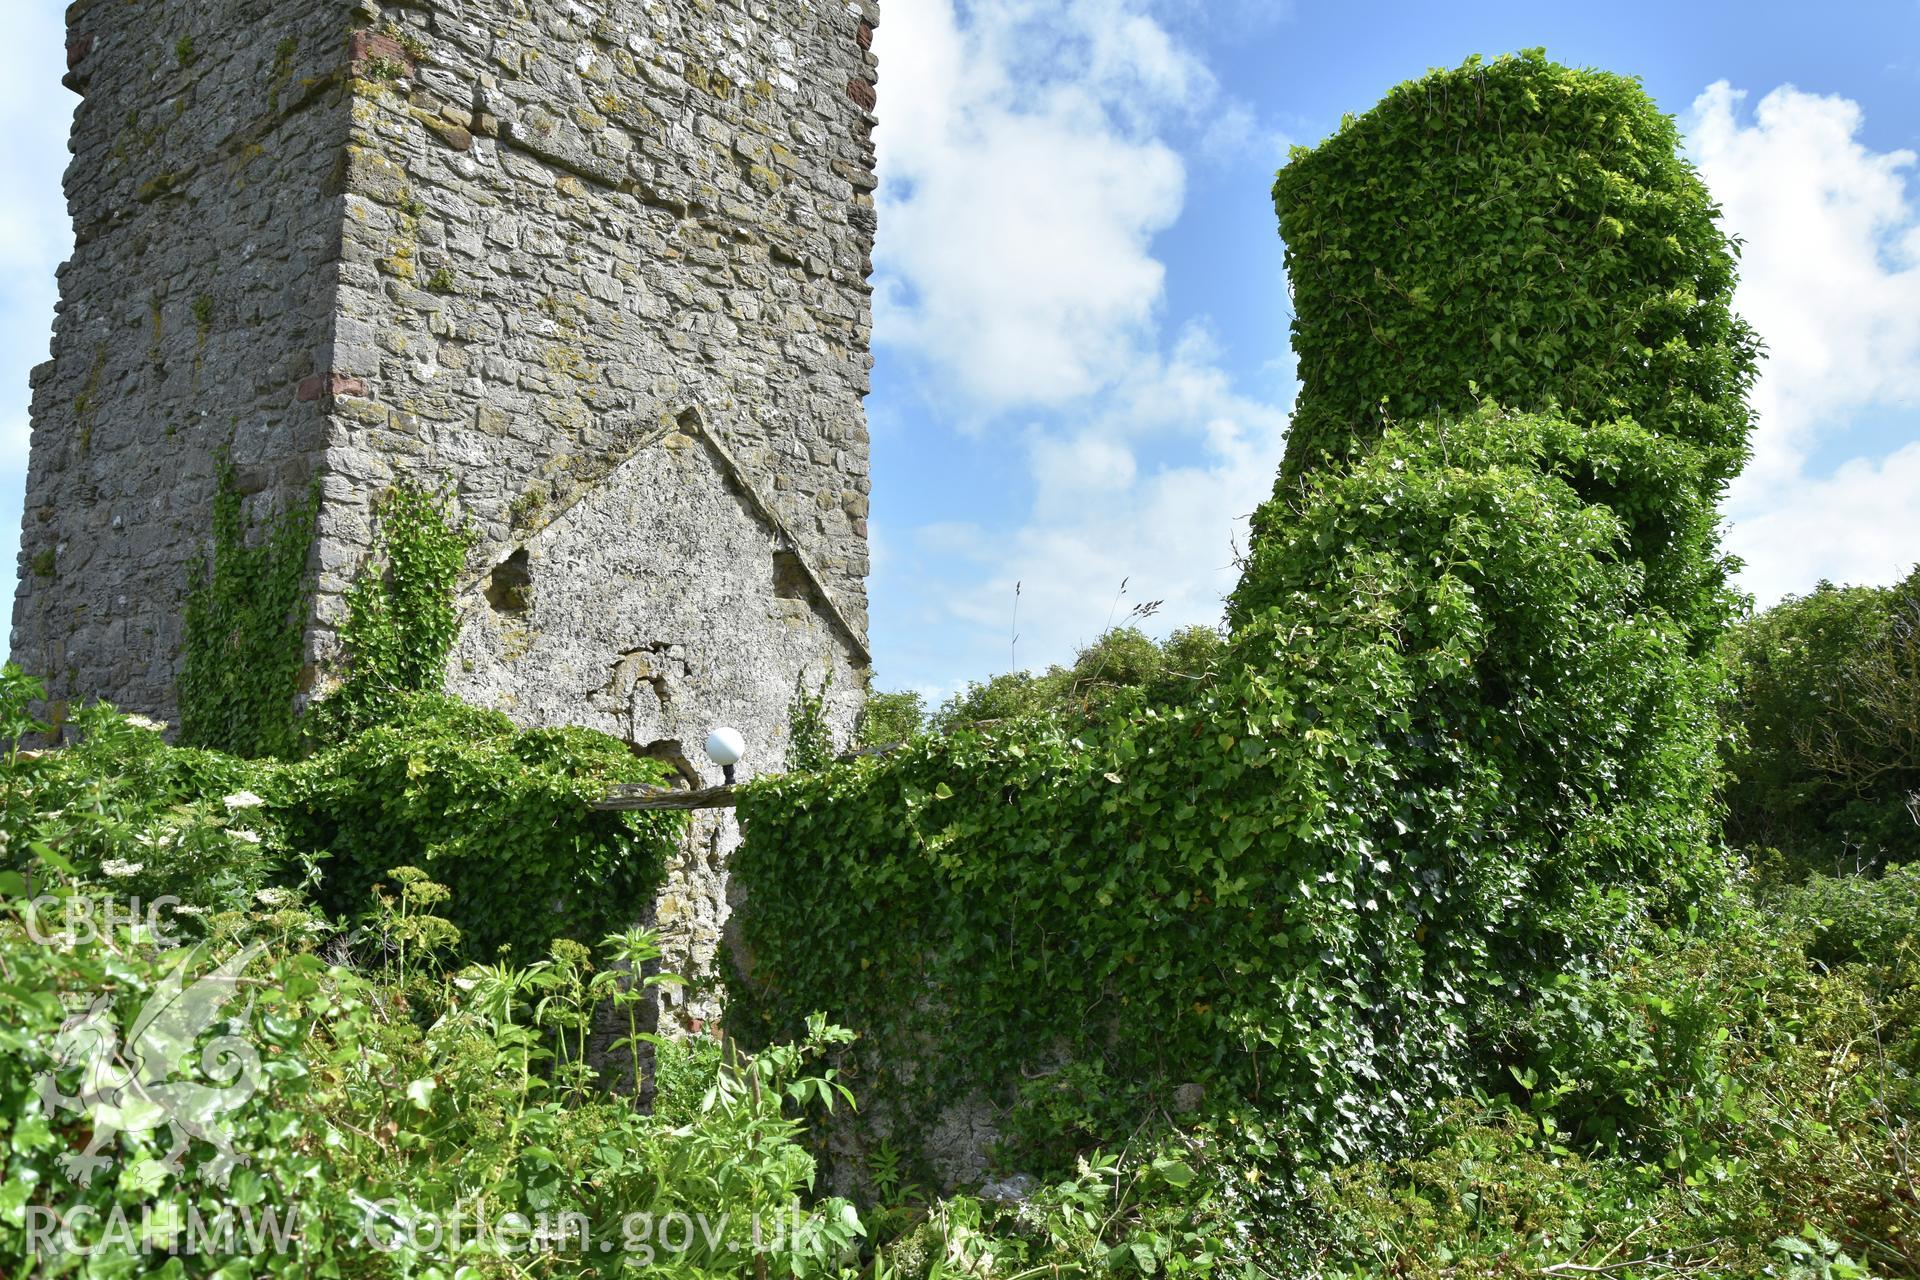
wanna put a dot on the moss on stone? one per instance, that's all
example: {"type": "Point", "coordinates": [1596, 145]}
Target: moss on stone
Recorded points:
{"type": "Point", "coordinates": [160, 184]}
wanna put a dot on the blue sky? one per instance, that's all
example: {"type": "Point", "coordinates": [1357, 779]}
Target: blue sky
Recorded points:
{"type": "Point", "coordinates": [1081, 322]}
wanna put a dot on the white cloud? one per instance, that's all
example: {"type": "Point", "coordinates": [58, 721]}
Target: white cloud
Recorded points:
{"type": "Point", "coordinates": [1022, 187]}
{"type": "Point", "coordinates": [1861, 524]}
{"type": "Point", "coordinates": [1099, 517]}
{"type": "Point", "coordinates": [1830, 277]}
{"type": "Point", "coordinates": [1025, 170]}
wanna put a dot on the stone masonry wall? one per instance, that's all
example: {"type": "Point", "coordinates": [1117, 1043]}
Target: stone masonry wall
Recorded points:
{"type": "Point", "coordinates": [600, 266]}
{"type": "Point", "coordinates": [570, 223]}
{"type": "Point", "coordinates": [604, 269]}
{"type": "Point", "coordinates": [206, 207]}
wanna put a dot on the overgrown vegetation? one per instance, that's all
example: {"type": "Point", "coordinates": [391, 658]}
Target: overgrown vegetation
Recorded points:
{"type": "Point", "coordinates": [402, 619]}
{"type": "Point", "coordinates": [1399, 931]}
{"type": "Point", "coordinates": [1306, 890]}
{"type": "Point", "coordinates": [809, 734]}
{"type": "Point", "coordinates": [1122, 668]}
{"type": "Point", "coordinates": [1421, 898]}
{"type": "Point", "coordinates": [245, 624]}
{"type": "Point", "coordinates": [1463, 734]}
{"type": "Point", "coordinates": [408, 1120]}
{"type": "Point", "coordinates": [1527, 234]}
{"type": "Point", "coordinates": [1827, 696]}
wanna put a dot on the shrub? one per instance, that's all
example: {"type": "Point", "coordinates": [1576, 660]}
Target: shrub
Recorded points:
{"type": "Point", "coordinates": [1113, 674]}
{"type": "Point", "coordinates": [501, 816]}
{"type": "Point", "coordinates": [889, 717]}
{"type": "Point", "coordinates": [684, 1072]}
{"type": "Point", "coordinates": [1857, 919]}
{"type": "Point", "coordinates": [1722, 1099]}
{"type": "Point", "coordinates": [1827, 694]}
{"type": "Point", "coordinates": [123, 807]}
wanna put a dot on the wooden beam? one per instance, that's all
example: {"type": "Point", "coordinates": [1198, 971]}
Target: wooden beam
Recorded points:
{"type": "Point", "coordinates": [641, 795]}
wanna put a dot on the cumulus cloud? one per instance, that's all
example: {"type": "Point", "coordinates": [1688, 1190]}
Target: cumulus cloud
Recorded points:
{"type": "Point", "coordinates": [1857, 525]}
{"type": "Point", "coordinates": [1024, 175]}
{"type": "Point", "coordinates": [1099, 517]}
{"type": "Point", "coordinates": [1021, 188]}
{"type": "Point", "coordinates": [1830, 277]}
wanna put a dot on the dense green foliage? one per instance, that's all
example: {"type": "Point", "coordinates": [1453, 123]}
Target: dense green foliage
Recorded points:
{"type": "Point", "coordinates": [246, 620]}
{"type": "Point", "coordinates": [1739, 1100]}
{"type": "Point", "coordinates": [394, 773]}
{"type": "Point", "coordinates": [1527, 234]}
{"type": "Point", "coordinates": [416, 1115]}
{"type": "Point", "coordinates": [390, 1108]}
{"type": "Point", "coordinates": [401, 618]}
{"type": "Point", "coordinates": [1121, 668]}
{"type": "Point", "coordinates": [1463, 742]}
{"type": "Point", "coordinates": [498, 814]}
{"type": "Point", "coordinates": [1455, 750]}
{"type": "Point", "coordinates": [890, 716]}
{"type": "Point", "coordinates": [1827, 693]}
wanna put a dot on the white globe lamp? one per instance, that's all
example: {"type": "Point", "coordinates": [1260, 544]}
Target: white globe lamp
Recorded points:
{"type": "Point", "coordinates": [725, 747]}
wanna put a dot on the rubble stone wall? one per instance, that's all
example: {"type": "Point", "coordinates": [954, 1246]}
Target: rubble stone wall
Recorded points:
{"type": "Point", "coordinates": [597, 266]}
{"type": "Point", "coordinates": [206, 204]}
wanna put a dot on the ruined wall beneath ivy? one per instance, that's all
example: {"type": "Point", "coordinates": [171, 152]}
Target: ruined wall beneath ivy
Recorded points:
{"type": "Point", "coordinates": [206, 204]}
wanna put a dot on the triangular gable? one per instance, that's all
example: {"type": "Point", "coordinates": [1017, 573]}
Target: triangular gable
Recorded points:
{"type": "Point", "coordinates": [693, 423]}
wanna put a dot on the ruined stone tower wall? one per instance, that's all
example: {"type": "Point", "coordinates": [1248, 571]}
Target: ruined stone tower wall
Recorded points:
{"type": "Point", "coordinates": [571, 223]}
{"type": "Point", "coordinates": [605, 266]}
{"type": "Point", "coordinates": [599, 266]}
{"type": "Point", "coordinates": [206, 218]}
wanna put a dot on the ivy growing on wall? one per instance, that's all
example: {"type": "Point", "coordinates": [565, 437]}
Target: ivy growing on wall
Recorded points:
{"type": "Point", "coordinates": [1458, 751]}
{"type": "Point", "coordinates": [809, 733]}
{"type": "Point", "coordinates": [246, 617]}
{"type": "Point", "coordinates": [402, 619]}
{"type": "Point", "coordinates": [1464, 735]}
{"type": "Point", "coordinates": [1528, 234]}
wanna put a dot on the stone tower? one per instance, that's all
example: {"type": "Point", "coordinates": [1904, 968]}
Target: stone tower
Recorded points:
{"type": "Point", "coordinates": [600, 265]}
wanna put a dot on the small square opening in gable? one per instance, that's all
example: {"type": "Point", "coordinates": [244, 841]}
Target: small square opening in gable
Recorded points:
{"type": "Point", "coordinates": [510, 585]}
{"type": "Point", "coordinates": [790, 578]}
